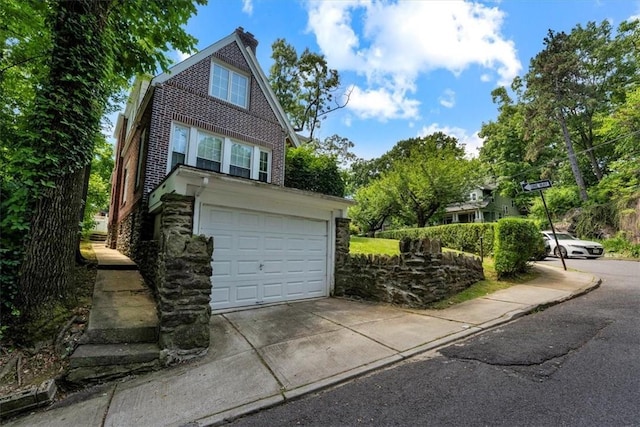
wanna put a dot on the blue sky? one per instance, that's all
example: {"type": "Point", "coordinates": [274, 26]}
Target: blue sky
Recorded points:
{"type": "Point", "coordinates": [413, 67]}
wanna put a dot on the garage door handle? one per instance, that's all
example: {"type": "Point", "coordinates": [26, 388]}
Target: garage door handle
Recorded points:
{"type": "Point", "coordinates": [261, 265]}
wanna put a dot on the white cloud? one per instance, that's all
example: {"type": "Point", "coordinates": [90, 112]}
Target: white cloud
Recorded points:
{"type": "Point", "coordinates": [472, 142]}
{"type": "Point", "coordinates": [247, 6]}
{"type": "Point", "coordinates": [382, 104]}
{"type": "Point", "coordinates": [485, 78]}
{"type": "Point", "coordinates": [181, 56]}
{"type": "Point", "coordinates": [448, 99]}
{"type": "Point", "coordinates": [401, 40]}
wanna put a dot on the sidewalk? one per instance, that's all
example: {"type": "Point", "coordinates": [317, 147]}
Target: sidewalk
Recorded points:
{"type": "Point", "coordinates": [266, 356]}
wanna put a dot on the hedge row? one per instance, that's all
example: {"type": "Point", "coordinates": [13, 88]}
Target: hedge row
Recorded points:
{"type": "Point", "coordinates": [463, 237]}
{"type": "Point", "coordinates": [512, 241]}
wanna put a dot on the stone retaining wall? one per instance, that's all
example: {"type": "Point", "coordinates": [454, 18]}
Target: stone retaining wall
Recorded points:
{"type": "Point", "coordinates": [420, 275]}
{"type": "Point", "coordinates": [178, 268]}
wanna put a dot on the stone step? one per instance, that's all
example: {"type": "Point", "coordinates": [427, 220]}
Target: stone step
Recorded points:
{"type": "Point", "coordinates": [91, 363]}
{"type": "Point", "coordinates": [140, 334]}
{"type": "Point", "coordinates": [113, 354]}
{"type": "Point", "coordinates": [123, 310]}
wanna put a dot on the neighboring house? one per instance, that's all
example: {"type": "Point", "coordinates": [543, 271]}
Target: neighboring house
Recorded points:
{"type": "Point", "coordinates": [483, 204]}
{"type": "Point", "coordinates": [211, 128]}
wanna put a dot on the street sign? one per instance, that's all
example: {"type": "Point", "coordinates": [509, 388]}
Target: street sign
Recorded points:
{"type": "Point", "coordinates": [538, 185]}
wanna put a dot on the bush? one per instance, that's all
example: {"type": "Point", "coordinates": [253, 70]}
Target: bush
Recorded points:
{"type": "Point", "coordinates": [310, 171]}
{"type": "Point", "coordinates": [462, 237]}
{"type": "Point", "coordinates": [516, 241]}
{"type": "Point", "coordinates": [621, 246]}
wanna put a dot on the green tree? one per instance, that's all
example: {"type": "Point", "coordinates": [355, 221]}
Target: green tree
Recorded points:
{"type": "Point", "coordinates": [577, 77]}
{"type": "Point", "coordinates": [99, 186]}
{"type": "Point", "coordinates": [337, 147]}
{"type": "Point", "coordinates": [375, 205]}
{"type": "Point", "coordinates": [431, 174]}
{"type": "Point", "coordinates": [307, 170]}
{"type": "Point", "coordinates": [96, 47]}
{"type": "Point", "coordinates": [305, 86]}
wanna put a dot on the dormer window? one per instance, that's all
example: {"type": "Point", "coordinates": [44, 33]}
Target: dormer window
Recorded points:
{"type": "Point", "coordinates": [229, 85]}
{"type": "Point", "coordinates": [474, 197]}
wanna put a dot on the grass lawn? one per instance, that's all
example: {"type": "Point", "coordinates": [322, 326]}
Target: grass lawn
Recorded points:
{"type": "Point", "coordinates": [366, 245]}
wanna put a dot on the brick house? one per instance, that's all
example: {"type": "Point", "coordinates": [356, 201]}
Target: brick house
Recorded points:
{"type": "Point", "coordinates": [211, 128]}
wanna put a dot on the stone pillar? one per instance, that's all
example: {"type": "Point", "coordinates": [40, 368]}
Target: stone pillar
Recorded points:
{"type": "Point", "coordinates": [184, 282]}
{"type": "Point", "coordinates": [343, 239]}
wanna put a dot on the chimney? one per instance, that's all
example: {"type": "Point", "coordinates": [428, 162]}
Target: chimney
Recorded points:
{"type": "Point", "coordinates": [247, 39]}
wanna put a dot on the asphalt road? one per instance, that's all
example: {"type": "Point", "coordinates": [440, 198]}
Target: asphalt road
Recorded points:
{"type": "Point", "coordinates": [573, 364]}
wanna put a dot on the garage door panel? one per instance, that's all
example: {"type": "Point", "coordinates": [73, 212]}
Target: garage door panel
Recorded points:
{"type": "Point", "coordinates": [221, 295]}
{"type": "Point", "coordinates": [251, 267]}
{"type": "Point", "coordinates": [295, 288]}
{"type": "Point", "coordinates": [315, 287]}
{"type": "Point", "coordinates": [295, 244]}
{"type": "Point", "coordinates": [248, 242]}
{"type": "Point", "coordinates": [273, 267]}
{"type": "Point", "coordinates": [222, 242]}
{"type": "Point", "coordinates": [222, 269]}
{"type": "Point", "coordinates": [272, 290]}
{"type": "Point", "coordinates": [246, 292]}
{"type": "Point", "coordinates": [261, 258]}
{"type": "Point", "coordinates": [316, 266]}
{"type": "Point", "coordinates": [316, 228]}
{"type": "Point", "coordinates": [248, 221]}
{"type": "Point", "coordinates": [273, 243]}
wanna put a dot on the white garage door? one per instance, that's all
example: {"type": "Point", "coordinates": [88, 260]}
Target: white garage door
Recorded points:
{"type": "Point", "coordinates": [263, 258]}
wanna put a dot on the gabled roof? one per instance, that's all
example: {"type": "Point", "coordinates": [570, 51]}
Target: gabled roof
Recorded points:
{"type": "Point", "coordinates": [251, 59]}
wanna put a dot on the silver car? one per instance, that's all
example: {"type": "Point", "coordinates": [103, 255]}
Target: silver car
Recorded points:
{"type": "Point", "coordinates": [571, 246]}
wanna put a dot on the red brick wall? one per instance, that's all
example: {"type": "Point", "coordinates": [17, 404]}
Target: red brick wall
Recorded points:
{"type": "Point", "coordinates": [185, 98]}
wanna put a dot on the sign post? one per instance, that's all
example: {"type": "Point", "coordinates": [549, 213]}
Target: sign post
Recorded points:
{"type": "Point", "coordinates": [541, 185]}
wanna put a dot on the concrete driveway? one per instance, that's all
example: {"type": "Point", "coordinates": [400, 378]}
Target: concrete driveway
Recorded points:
{"type": "Point", "coordinates": [262, 357]}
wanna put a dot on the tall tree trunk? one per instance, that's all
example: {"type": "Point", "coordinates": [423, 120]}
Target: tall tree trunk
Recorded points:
{"type": "Point", "coordinates": [597, 170]}
{"type": "Point", "coordinates": [49, 254]}
{"type": "Point", "coordinates": [66, 120]}
{"type": "Point", "coordinates": [573, 161]}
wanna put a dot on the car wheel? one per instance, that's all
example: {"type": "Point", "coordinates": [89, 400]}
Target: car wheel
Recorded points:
{"type": "Point", "coordinates": [562, 249]}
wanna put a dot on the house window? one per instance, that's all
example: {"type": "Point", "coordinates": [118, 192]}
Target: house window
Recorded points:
{"type": "Point", "coordinates": [143, 140]}
{"type": "Point", "coordinates": [229, 85]}
{"type": "Point", "coordinates": [125, 183]}
{"type": "Point", "coordinates": [263, 170]}
{"type": "Point", "coordinates": [205, 150]}
{"type": "Point", "coordinates": [505, 209]}
{"type": "Point", "coordinates": [179, 145]}
{"type": "Point", "coordinates": [473, 196]}
{"type": "Point", "coordinates": [209, 152]}
{"type": "Point", "coordinates": [240, 164]}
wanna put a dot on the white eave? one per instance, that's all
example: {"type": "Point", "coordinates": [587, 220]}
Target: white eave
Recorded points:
{"type": "Point", "coordinates": [191, 181]}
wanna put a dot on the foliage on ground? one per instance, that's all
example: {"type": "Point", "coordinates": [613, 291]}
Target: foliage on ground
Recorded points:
{"type": "Point", "coordinates": [619, 246]}
{"type": "Point", "coordinates": [54, 336]}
